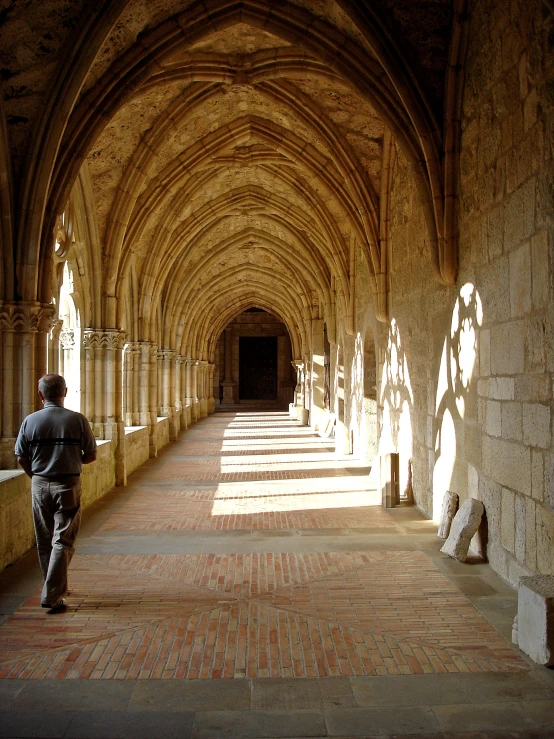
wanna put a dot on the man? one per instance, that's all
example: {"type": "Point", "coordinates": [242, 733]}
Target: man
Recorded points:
{"type": "Point", "coordinates": [52, 446]}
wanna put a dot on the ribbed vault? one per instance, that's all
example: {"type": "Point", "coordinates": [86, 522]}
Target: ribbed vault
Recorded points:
{"type": "Point", "coordinates": [239, 153]}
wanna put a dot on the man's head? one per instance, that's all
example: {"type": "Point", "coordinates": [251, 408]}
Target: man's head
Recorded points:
{"type": "Point", "coordinates": [52, 387]}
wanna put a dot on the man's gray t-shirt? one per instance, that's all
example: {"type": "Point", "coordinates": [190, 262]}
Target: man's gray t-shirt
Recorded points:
{"type": "Point", "coordinates": [54, 440]}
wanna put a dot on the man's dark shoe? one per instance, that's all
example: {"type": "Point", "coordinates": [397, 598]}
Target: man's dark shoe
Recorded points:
{"type": "Point", "coordinates": [57, 607]}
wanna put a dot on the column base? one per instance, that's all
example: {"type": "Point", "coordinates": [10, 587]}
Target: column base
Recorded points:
{"type": "Point", "coordinates": [343, 439]}
{"type": "Point", "coordinates": [228, 392]}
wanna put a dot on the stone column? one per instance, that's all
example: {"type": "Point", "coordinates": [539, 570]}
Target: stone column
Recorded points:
{"type": "Point", "coordinates": [67, 343]}
{"type": "Point", "coordinates": [202, 376]}
{"type": "Point", "coordinates": [159, 382]}
{"type": "Point", "coordinates": [180, 390]}
{"type": "Point", "coordinates": [148, 391]}
{"type": "Point", "coordinates": [297, 399]}
{"type": "Point", "coordinates": [24, 329]}
{"type": "Point", "coordinates": [104, 390]}
{"type": "Point", "coordinates": [210, 387]}
{"type": "Point", "coordinates": [131, 389]}
{"type": "Point", "coordinates": [70, 367]}
{"type": "Point", "coordinates": [195, 390]}
{"type": "Point", "coordinates": [189, 399]}
{"type": "Point", "coordinates": [317, 385]}
{"type": "Point", "coordinates": [166, 358]}
{"type": "Point", "coordinates": [228, 384]}
{"type": "Point", "coordinates": [53, 363]}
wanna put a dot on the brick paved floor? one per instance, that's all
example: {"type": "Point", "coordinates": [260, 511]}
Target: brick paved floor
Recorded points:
{"type": "Point", "coordinates": [256, 614]}
{"type": "Point", "coordinates": [244, 584]}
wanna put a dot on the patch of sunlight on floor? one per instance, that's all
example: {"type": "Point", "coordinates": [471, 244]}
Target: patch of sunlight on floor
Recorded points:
{"type": "Point", "coordinates": [290, 502]}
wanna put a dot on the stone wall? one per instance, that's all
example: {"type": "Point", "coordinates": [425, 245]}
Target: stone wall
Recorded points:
{"type": "Point", "coordinates": [16, 522]}
{"type": "Point", "coordinates": [507, 215]}
{"type": "Point", "coordinates": [162, 432]}
{"type": "Point", "coordinates": [474, 363]}
{"type": "Point", "coordinates": [136, 447]}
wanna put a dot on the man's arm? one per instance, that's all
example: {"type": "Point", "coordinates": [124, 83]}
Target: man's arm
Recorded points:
{"type": "Point", "coordinates": [26, 464]}
{"type": "Point", "coordinates": [88, 458]}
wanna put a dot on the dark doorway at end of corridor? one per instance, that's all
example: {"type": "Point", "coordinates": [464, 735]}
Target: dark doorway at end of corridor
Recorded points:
{"type": "Point", "coordinates": [258, 368]}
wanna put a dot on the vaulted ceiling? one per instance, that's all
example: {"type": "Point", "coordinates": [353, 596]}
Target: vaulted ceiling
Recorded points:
{"type": "Point", "coordinates": [238, 152]}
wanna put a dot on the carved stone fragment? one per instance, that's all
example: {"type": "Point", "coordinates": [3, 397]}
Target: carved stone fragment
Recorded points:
{"type": "Point", "coordinates": [535, 611]}
{"type": "Point", "coordinates": [449, 505]}
{"type": "Point", "coordinates": [465, 524]}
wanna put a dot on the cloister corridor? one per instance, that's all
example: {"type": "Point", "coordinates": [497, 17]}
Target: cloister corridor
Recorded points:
{"type": "Point", "coordinates": [240, 586]}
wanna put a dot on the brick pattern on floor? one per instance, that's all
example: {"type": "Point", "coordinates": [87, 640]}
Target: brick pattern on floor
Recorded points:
{"type": "Point", "coordinates": [201, 510]}
{"type": "Point", "coordinates": [303, 487]}
{"type": "Point", "coordinates": [255, 615]}
{"type": "Point", "coordinates": [288, 615]}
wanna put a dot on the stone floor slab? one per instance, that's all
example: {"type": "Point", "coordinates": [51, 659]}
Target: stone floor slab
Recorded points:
{"type": "Point", "coordinates": [154, 725]}
{"type": "Point", "coordinates": [258, 724]}
{"type": "Point", "coordinates": [485, 716]}
{"type": "Point", "coordinates": [74, 695]}
{"type": "Point", "coordinates": [277, 694]}
{"type": "Point", "coordinates": [383, 721]}
{"type": "Point", "coordinates": [37, 723]}
{"type": "Point", "coordinates": [191, 695]}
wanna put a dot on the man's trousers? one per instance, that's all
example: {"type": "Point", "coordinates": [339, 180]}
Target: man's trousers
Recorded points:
{"type": "Point", "coordinates": [57, 517]}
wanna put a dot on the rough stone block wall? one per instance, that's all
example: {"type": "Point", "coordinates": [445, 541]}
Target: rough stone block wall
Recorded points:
{"type": "Point", "coordinates": [480, 356]}
{"type": "Point", "coordinates": [507, 215]}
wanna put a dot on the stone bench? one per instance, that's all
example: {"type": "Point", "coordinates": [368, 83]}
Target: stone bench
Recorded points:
{"type": "Point", "coordinates": [535, 618]}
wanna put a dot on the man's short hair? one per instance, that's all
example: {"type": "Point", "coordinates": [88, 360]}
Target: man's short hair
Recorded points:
{"type": "Point", "coordinates": [52, 386]}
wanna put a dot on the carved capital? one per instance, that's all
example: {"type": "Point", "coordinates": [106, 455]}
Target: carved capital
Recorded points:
{"type": "Point", "coordinates": [132, 348]}
{"type": "Point", "coordinates": [166, 354]}
{"type": "Point", "coordinates": [46, 317]}
{"type": "Point", "coordinates": [67, 338]}
{"type": "Point", "coordinates": [21, 316]}
{"type": "Point", "coordinates": [55, 329]}
{"type": "Point", "coordinates": [104, 339]}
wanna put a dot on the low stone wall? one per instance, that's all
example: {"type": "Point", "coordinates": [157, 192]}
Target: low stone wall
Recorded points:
{"type": "Point", "coordinates": [136, 447]}
{"type": "Point", "coordinates": [16, 523]}
{"type": "Point", "coordinates": [162, 432]}
{"type": "Point", "coordinates": [17, 534]}
{"type": "Point", "coordinates": [99, 477]}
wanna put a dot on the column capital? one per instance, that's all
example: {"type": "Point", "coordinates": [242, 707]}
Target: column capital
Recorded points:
{"type": "Point", "coordinates": [297, 364]}
{"type": "Point", "coordinates": [67, 338]}
{"type": "Point", "coordinates": [55, 328]}
{"type": "Point", "coordinates": [26, 316]}
{"type": "Point", "coordinates": [111, 338]}
{"type": "Point", "coordinates": [166, 354]}
{"type": "Point", "coordinates": [132, 347]}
